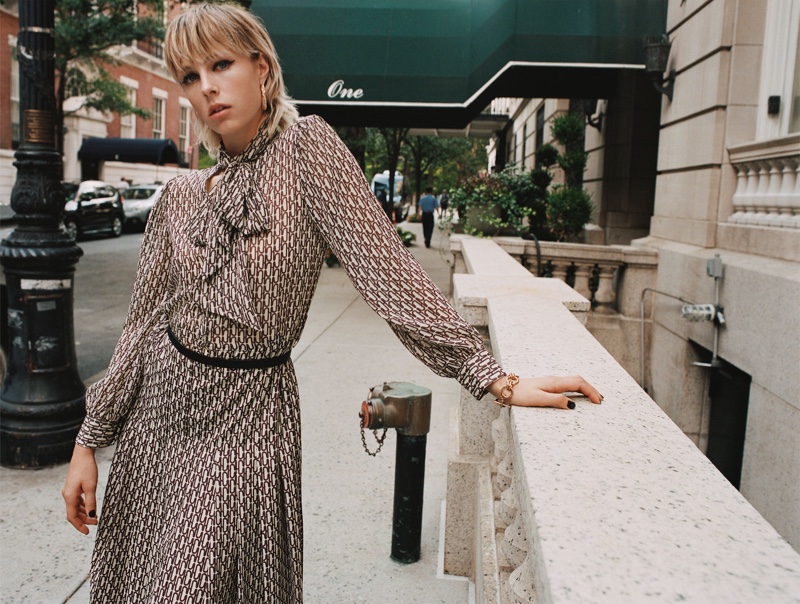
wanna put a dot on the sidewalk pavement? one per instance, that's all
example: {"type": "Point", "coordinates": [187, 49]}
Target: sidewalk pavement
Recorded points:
{"type": "Point", "coordinates": [345, 349]}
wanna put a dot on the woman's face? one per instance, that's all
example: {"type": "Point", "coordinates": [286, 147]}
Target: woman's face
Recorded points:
{"type": "Point", "coordinates": [225, 92]}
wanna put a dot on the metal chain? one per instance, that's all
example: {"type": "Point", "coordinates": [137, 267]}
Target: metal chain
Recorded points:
{"type": "Point", "coordinates": [379, 440]}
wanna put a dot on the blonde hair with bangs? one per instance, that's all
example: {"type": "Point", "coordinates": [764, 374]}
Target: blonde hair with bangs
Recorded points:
{"type": "Point", "coordinates": [201, 31]}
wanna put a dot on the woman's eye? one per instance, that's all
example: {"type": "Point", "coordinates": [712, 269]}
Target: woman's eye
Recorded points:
{"type": "Point", "coordinates": [189, 78]}
{"type": "Point", "coordinates": [224, 64]}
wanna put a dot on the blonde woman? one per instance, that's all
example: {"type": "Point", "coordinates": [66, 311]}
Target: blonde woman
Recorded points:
{"type": "Point", "coordinates": [203, 498]}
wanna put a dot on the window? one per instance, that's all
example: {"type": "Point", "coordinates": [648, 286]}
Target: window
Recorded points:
{"type": "Point", "coordinates": [158, 117]}
{"type": "Point", "coordinates": [794, 119]}
{"type": "Point", "coordinates": [524, 144]}
{"type": "Point", "coordinates": [780, 70]}
{"type": "Point", "coordinates": [16, 134]}
{"type": "Point", "coordinates": [183, 136]}
{"type": "Point", "coordinates": [539, 132]}
{"type": "Point", "coordinates": [127, 123]}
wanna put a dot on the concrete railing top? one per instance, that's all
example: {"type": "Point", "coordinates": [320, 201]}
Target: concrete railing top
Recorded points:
{"type": "Point", "coordinates": [484, 257]}
{"type": "Point", "coordinates": [618, 504]}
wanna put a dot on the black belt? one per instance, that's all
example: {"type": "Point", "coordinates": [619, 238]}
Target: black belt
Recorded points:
{"type": "Point", "coordinates": [228, 363]}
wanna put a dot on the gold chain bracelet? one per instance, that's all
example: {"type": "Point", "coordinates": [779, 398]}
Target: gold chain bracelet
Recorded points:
{"type": "Point", "coordinates": [511, 380]}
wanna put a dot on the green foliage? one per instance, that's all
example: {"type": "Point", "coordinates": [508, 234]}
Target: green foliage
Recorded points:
{"type": "Point", "coordinates": [460, 159]}
{"type": "Point", "coordinates": [374, 153]}
{"type": "Point", "coordinates": [85, 30]}
{"type": "Point", "coordinates": [568, 129]}
{"type": "Point", "coordinates": [102, 92]}
{"type": "Point", "coordinates": [204, 160]}
{"type": "Point", "coordinates": [546, 155]}
{"type": "Point", "coordinates": [489, 203]}
{"type": "Point", "coordinates": [407, 237]}
{"type": "Point", "coordinates": [568, 206]}
{"type": "Point", "coordinates": [568, 209]}
{"type": "Point", "coordinates": [330, 258]}
{"type": "Point", "coordinates": [523, 203]}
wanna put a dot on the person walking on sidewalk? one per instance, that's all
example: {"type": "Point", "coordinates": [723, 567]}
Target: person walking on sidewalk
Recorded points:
{"type": "Point", "coordinates": [427, 205]}
{"type": "Point", "coordinates": [203, 497]}
{"type": "Point", "coordinates": [444, 203]}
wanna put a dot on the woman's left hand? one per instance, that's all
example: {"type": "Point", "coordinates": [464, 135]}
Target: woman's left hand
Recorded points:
{"type": "Point", "coordinates": [546, 391]}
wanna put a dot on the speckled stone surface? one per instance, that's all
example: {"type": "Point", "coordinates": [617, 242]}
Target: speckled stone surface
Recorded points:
{"type": "Point", "coordinates": [622, 507]}
{"type": "Point", "coordinates": [472, 291]}
{"type": "Point", "coordinates": [485, 257]}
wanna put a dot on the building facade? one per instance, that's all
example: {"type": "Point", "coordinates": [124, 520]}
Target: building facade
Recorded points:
{"type": "Point", "coordinates": [142, 70]}
{"type": "Point", "coordinates": [715, 171]}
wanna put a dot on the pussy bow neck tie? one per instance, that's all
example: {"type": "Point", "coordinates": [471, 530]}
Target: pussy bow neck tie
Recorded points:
{"type": "Point", "coordinates": [235, 207]}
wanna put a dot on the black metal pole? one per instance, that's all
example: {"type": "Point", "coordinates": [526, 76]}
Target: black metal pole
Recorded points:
{"type": "Point", "coordinates": [409, 483]}
{"type": "Point", "coordinates": [41, 401]}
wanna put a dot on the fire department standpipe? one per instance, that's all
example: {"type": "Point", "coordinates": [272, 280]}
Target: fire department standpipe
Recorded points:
{"type": "Point", "coordinates": [407, 408]}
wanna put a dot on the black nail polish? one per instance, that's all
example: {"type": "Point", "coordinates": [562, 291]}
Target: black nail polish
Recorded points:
{"type": "Point", "coordinates": [571, 405]}
{"type": "Point", "coordinates": [92, 513]}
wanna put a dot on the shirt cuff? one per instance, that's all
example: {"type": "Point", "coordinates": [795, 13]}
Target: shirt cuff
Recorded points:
{"type": "Point", "coordinates": [95, 433]}
{"type": "Point", "coordinates": [478, 372]}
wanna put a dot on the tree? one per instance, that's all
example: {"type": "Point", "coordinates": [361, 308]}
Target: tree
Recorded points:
{"type": "Point", "coordinates": [85, 31]}
{"type": "Point", "coordinates": [443, 163]}
{"type": "Point", "coordinates": [569, 206]}
{"type": "Point", "coordinates": [424, 153]}
{"type": "Point", "coordinates": [394, 138]}
{"type": "Point", "coordinates": [462, 159]}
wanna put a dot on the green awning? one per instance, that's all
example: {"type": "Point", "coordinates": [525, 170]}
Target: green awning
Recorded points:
{"type": "Point", "coordinates": [442, 61]}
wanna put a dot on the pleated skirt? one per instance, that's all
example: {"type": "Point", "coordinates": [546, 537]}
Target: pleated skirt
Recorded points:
{"type": "Point", "coordinates": [203, 502]}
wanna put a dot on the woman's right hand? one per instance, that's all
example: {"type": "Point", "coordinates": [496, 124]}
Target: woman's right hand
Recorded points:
{"type": "Point", "coordinates": [80, 489]}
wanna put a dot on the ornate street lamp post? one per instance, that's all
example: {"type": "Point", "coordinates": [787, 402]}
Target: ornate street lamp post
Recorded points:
{"type": "Point", "coordinates": [41, 401]}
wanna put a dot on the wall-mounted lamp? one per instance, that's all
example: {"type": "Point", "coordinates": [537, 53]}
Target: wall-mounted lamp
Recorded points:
{"type": "Point", "coordinates": [589, 110]}
{"type": "Point", "coordinates": [655, 64]}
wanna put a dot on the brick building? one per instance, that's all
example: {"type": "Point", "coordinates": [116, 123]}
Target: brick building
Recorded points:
{"type": "Point", "coordinates": [143, 71]}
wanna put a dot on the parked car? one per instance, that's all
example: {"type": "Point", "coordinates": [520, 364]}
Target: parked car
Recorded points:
{"type": "Point", "coordinates": [139, 201]}
{"type": "Point", "coordinates": [96, 206]}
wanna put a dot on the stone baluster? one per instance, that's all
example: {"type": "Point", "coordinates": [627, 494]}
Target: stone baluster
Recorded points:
{"type": "Point", "coordinates": [772, 199]}
{"type": "Point", "coordinates": [794, 197]}
{"type": "Point", "coordinates": [520, 585]}
{"type": "Point", "coordinates": [784, 195]}
{"type": "Point", "coordinates": [749, 207]}
{"type": "Point", "coordinates": [560, 271]}
{"type": "Point", "coordinates": [749, 197]}
{"type": "Point", "coordinates": [605, 296]}
{"type": "Point", "coordinates": [582, 274]}
{"type": "Point", "coordinates": [761, 197]}
{"type": "Point", "coordinates": [740, 195]}
{"type": "Point", "coordinates": [515, 552]}
{"type": "Point", "coordinates": [503, 466]}
{"type": "Point", "coordinates": [505, 509]}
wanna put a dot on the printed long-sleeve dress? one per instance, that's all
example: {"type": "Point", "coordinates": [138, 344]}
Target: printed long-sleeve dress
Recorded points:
{"type": "Point", "coordinates": [203, 498]}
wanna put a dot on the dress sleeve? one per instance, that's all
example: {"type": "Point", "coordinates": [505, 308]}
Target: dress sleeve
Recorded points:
{"type": "Point", "coordinates": [109, 400]}
{"type": "Point", "coordinates": [384, 272]}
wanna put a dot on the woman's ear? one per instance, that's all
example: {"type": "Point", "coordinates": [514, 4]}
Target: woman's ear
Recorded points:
{"type": "Point", "coordinates": [263, 68]}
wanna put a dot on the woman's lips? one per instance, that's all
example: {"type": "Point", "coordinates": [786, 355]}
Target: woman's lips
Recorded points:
{"type": "Point", "coordinates": [217, 110]}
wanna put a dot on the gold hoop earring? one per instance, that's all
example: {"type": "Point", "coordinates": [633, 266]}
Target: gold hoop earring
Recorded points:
{"type": "Point", "coordinates": [264, 96]}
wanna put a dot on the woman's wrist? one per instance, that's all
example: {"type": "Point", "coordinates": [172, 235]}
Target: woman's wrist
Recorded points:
{"type": "Point", "coordinates": [81, 451]}
{"type": "Point", "coordinates": [503, 389]}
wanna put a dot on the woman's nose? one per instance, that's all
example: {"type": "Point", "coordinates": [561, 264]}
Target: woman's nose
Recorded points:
{"type": "Point", "coordinates": [208, 84]}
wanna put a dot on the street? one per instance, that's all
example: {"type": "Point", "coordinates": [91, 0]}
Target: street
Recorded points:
{"type": "Point", "coordinates": [103, 285]}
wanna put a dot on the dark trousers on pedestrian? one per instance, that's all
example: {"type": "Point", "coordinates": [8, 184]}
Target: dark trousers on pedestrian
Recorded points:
{"type": "Point", "coordinates": [427, 227]}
